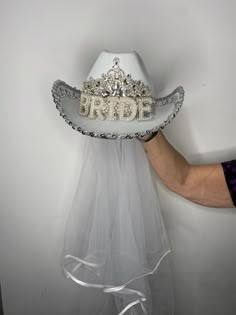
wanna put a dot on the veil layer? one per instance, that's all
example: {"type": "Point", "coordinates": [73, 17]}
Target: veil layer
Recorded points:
{"type": "Point", "coordinates": [115, 235]}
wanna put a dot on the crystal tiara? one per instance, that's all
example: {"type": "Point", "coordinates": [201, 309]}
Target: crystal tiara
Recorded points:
{"type": "Point", "coordinates": [116, 96]}
{"type": "Point", "coordinates": [116, 83]}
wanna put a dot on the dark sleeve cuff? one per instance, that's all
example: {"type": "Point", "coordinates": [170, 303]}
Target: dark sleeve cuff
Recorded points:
{"type": "Point", "coordinates": [229, 168]}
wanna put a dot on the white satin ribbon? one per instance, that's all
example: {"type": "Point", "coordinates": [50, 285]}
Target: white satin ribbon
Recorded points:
{"type": "Point", "coordinates": [109, 288]}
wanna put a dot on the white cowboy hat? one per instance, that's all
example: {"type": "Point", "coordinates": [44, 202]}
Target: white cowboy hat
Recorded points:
{"type": "Point", "coordinates": [116, 101]}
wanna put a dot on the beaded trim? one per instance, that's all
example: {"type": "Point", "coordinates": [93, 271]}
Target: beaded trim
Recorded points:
{"type": "Point", "coordinates": [61, 89]}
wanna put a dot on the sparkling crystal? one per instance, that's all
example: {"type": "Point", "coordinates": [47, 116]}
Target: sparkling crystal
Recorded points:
{"type": "Point", "coordinates": [115, 83]}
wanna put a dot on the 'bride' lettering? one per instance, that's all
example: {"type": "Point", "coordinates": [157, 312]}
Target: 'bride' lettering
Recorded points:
{"type": "Point", "coordinates": [115, 108]}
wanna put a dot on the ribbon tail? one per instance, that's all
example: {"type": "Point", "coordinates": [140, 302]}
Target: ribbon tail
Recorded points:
{"type": "Point", "coordinates": [109, 288]}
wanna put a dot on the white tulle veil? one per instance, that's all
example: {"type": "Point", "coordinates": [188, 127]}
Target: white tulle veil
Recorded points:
{"type": "Point", "coordinates": [115, 238]}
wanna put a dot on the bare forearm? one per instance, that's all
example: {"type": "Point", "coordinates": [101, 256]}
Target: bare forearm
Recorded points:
{"type": "Point", "coordinates": [201, 184]}
{"type": "Point", "coordinates": [168, 163]}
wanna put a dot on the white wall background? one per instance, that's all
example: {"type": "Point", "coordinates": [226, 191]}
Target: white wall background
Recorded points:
{"type": "Point", "coordinates": [182, 42]}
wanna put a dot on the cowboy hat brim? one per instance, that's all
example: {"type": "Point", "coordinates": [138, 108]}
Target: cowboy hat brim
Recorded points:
{"type": "Point", "coordinates": [67, 100]}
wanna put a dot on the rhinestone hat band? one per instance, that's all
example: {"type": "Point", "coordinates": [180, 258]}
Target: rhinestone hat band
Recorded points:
{"type": "Point", "coordinates": [116, 96]}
